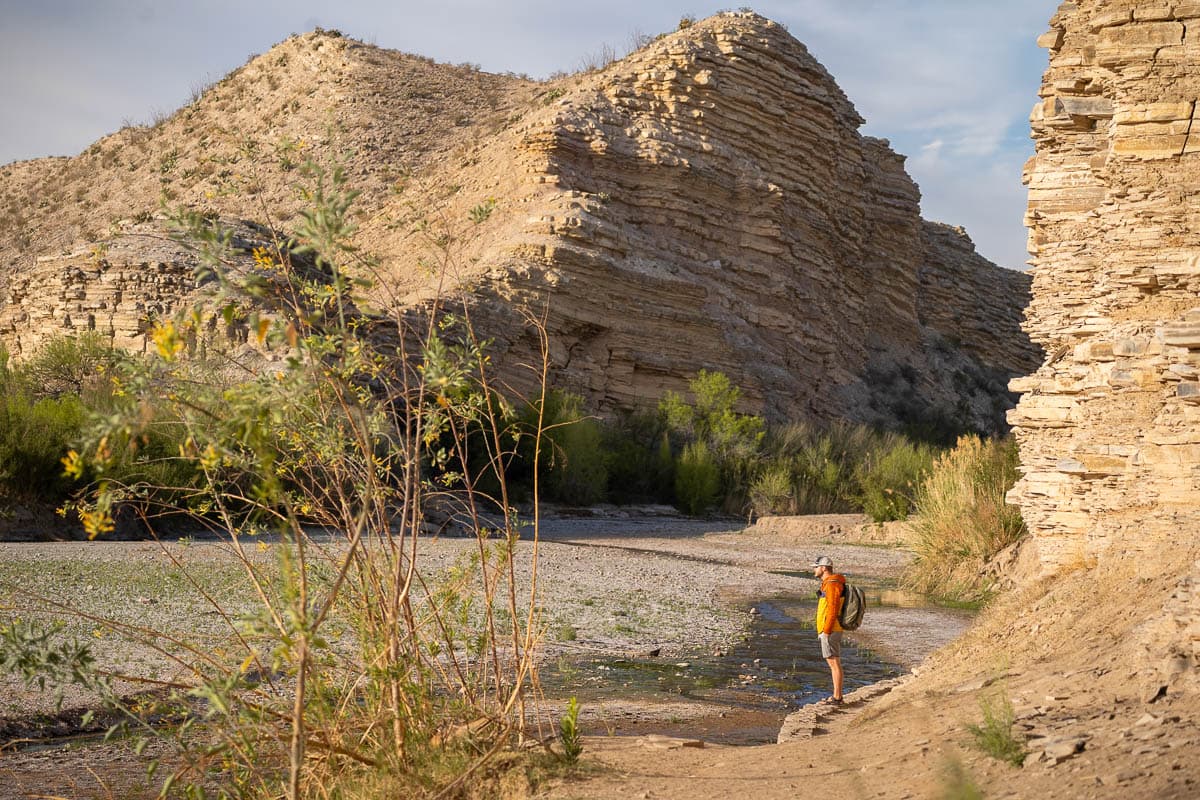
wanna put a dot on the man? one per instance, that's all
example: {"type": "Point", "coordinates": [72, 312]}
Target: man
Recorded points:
{"type": "Point", "coordinates": [829, 631]}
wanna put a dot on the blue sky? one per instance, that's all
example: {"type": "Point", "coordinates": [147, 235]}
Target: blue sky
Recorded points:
{"type": "Point", "coordinates": [949, 82]}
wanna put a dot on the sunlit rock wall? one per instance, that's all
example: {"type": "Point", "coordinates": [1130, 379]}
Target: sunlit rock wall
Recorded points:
{"type": "Point", "coordinates": [1109, 426]}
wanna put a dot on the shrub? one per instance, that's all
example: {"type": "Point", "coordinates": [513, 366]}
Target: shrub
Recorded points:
{"type": "Point", "coordinates": [34, 438]}
{"type": "Point", "coordinates": [731, 439]}
{"type": "Point", "coordinates": [638, 470]}
{"type": "Point", "coordinates": [360, 664]}
{"type": "Point", "coordinates": [697, 479]}
{"type": "Point", "coordinates": [71, 365]}
{"type": "Point", "coordinates": [575, 470]}
{"type": "Point", "coordinates": [995, 735]}
{"type": "Point", "coordinates": [889, 476]}
{"type": "Point", "coordinates": [771, 492]}
{"type": "Point", "coordinates": [962, 519]}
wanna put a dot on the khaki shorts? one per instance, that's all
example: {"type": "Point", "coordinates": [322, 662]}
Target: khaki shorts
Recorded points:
{"type": "Point", "coordinates": [831, 644]}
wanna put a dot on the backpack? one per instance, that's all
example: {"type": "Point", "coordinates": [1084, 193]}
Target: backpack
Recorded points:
{"type": "Point", "coordinates": [854, 604]}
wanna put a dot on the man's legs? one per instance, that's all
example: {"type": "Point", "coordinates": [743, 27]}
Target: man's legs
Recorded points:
{"type": "Point", "coordinates": [835, 669]}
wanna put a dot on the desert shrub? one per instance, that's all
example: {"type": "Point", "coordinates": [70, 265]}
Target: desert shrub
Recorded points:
{"type": "Point", "coordinates": [995, 735]}
{"type": "Point", "coordinates": [889, 476]}
{"type": "Point", "coordinates": [841, 468]}
{"type": "Point", "coordinates": [360, 664]}
{"type": "Point", "coordinates": [71, 365]}
{"type": "Point", "coordinates": [772, 491]}
{"type": "Point", "coordinates": [731, 439]}
{"type": "Point", "coordinates": [35, 435]}
{"type": "Point", "coordinates": [962, 519]}
{"type": "Point", "coordinates": [697, 479]}
{"type": "Point", "coordinates": [638, 458]}
{"type": "Point", "coordinates": [574, 461]}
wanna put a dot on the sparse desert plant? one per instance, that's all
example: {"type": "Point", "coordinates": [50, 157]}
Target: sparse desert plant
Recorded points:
{"type": "Point", "coordinates": [568, 732]}
{"type": "Point", "coordinates": [360, 665]}
{"type": "Point", "coordinates": [962, 519]}
{"type": "Point", "coordinates": [994, 735]}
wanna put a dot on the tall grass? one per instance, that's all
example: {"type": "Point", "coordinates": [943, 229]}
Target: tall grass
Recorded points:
{"type": "Point", "coordinates": [962, 519]}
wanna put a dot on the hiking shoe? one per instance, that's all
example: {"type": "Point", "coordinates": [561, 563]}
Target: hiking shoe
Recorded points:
{"type": "Point", "coordinates": [835, 701]}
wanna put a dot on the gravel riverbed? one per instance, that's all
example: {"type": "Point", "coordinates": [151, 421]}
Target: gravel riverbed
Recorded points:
{"type": "Point", "coordinates": [612, 585]}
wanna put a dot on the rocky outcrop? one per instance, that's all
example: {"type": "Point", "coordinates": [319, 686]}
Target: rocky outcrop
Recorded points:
{"type": "Point", "coordinates": [708, 203]}
{"type": "Point", "coordinates": [116, 288]}
{"type": "Point", "coordinates": [705, 203]}
{"type": "Point", "coordinates": [1109, 425]}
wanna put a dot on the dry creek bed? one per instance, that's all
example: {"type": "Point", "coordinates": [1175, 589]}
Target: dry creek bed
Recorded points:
{"type": "Point", "coordinates": [657, 594]}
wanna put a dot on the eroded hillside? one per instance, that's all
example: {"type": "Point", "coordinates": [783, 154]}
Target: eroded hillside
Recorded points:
{"type": "Point", "coordinates": [706, 202]}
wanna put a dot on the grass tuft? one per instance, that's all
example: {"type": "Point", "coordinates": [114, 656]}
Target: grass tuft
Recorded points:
{"type": "Point", "coordinates": [995, 736]}
{"type": "Point", "coordinates": [962, 519]}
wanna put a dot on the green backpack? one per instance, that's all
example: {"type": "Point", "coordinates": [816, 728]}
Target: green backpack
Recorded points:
{"type": "Point", "coordinates": [854, 605]}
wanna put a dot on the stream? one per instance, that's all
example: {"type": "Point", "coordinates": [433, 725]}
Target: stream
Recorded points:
{"type": "Point", "coordinates": [751, 687]}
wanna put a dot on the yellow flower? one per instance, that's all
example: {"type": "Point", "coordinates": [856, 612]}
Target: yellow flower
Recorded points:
{"type": "Point", "coordinates": [72, 466]}
{"type": "Point", "coordinates": [167, 341]}
{"type": "Point", "coordinates": [262, 257]}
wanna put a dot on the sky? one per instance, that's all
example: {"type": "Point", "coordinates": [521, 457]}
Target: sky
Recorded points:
{"type": "Point", "coordinates": [949, 82]}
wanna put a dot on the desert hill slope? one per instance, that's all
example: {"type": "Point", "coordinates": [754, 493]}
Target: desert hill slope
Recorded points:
{"type": "Point", "coordinates": [706, 202]}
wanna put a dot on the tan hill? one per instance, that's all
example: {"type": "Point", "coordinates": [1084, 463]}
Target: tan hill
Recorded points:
{"type": "Point", "coordinates": [706, 202]}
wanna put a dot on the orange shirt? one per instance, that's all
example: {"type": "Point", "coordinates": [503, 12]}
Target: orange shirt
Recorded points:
{"type": "Point", "coordinates": [829, 603]}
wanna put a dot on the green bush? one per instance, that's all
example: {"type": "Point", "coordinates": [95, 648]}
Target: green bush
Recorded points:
{"type": "Point", "coordinates": [71, 365]}
{"type": "Point", "coordinates": [732, 440]}
{"type": "Point", "coordinates": [697, 479]}
{"type": "Point", "coordinates": [638, 470]}
{"type": "Point", "coordinates": [889, 476]}
{"type": "Point", "coordinates": [576, 472]}
{"type": "Point", "coordinates": [34, 437]}
{"type": "Point", "coordinates": [995, 736]}
{"type": "Point", "coordinates": [771, 492]}
{"type": "Point", "coordinates": [962, 519]}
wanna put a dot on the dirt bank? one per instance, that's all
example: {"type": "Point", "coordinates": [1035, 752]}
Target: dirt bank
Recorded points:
{"type": "Point", "coordinates": [1070, 654]}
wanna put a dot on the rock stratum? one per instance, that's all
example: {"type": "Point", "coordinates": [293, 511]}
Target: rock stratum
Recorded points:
{"type": "Point", "coordinates": [705, 203]}
{"type": "Point", "coordinates": [1109, 425]}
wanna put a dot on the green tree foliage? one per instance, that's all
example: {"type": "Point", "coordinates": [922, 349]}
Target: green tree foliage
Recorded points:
{"type": "Point", "coordinates": [731, 439]}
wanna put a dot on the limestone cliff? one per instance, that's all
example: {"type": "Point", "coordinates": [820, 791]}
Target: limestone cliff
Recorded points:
{"type": "Point", "coordinates": [1109, 425]}
{"type": "Point", "coordinates": [705, 203]}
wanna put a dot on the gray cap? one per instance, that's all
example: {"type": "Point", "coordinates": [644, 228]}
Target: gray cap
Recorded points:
{"type": "Point", "coordinates": [822, 561]}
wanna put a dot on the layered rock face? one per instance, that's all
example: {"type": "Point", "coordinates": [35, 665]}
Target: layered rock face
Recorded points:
{"type": "Point", "coordinates": [705, 203]}
{"type": "Point", "coordinates": [1109, 426]}
{"type": "Point", "coordinates": [116, 288]}
{"type": "Point", "coordinates": [708, 203]}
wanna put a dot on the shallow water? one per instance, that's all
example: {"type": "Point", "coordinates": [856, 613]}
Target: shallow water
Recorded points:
{"type": "Point", "coordinates": [775, 670]}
